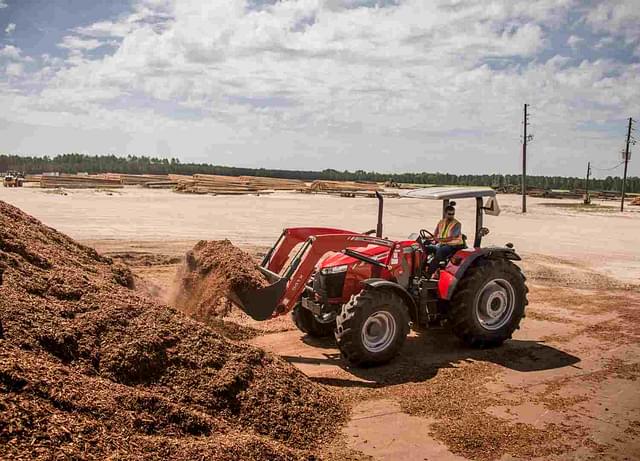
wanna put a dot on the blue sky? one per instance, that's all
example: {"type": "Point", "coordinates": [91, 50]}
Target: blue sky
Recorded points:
{"type": "Point", "coordinates": [43, 24]}
{"type": "Point", "coordinates": [390, 85]}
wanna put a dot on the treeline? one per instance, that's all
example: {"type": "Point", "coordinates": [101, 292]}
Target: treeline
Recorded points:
{"type": "Point", "coordinates": [74, 163]}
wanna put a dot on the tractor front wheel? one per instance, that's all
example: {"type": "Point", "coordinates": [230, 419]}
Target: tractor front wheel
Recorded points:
{"type": "Point", "coordinates": [308, 323]}
{"type": "Point", "coordinates": [489, 303]}
{"type": "Point", "coordinates": [372, 327]}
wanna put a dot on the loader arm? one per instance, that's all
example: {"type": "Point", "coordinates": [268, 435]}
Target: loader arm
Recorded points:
{"type": "Point", "coordinates": [278, 255]}
{"type": "Point", "coordinates": [283, 293]}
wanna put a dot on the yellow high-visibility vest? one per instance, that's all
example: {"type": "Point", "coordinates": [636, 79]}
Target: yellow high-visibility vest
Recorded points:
{"type": "Point", "coordinates": [445, 228]}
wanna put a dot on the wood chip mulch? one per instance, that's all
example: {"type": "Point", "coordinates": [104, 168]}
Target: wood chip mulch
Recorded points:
{"type": "Point", "coordinates": [91, 369]}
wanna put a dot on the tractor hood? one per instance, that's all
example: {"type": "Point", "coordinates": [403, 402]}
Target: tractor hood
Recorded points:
{"type": "Point", "coordinates": [339, 259]}
{"type": "Point", "coordinates": [373, 251]}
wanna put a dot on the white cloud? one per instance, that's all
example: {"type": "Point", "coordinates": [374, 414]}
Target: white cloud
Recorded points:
{"type": "Point", "coordinates": [11, 27]}
{"type": "Point", "coordinates": [14, 69]}
{"type": "Point", "coordinates": [3, 4]}
{"type": "Point", "coordinates": [72, 42]}
{"type": "Point", "coordinates": [10, 51]}
{"type": "Point", "coordinates": [106, 29]}
{"type": "Point", "coordinates": [616, 17]}
{"type": "Point", "coordinates": [319, 83]}
{"type": "Point", "coordinates": [573, 41]}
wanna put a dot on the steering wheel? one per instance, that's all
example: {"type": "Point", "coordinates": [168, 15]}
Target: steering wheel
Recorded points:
{"type": "Point", "coordinates": [426, 238]}
{"type": "Point", "coordinates": [426, 235]}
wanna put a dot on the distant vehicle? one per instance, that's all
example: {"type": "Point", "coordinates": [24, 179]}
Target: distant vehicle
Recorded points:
{"type": "Point", "coordinates": [13, 179]}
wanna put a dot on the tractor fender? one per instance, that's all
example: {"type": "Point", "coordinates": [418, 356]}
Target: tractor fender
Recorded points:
{"type": "Point", "coordinates": [377, 283]}
{"type": "Point", "coordinates": [472, 259]}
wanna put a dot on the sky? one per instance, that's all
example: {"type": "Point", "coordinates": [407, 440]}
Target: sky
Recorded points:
{"type": "Point", "coordinates": [384, 85]}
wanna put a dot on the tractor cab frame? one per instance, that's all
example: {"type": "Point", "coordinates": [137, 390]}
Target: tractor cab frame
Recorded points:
{"type": "Point", "coordinates": [448, 194]}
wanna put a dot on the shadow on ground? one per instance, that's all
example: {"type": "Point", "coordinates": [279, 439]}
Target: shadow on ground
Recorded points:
{"type": "Point", "coordinates": [424, 354]}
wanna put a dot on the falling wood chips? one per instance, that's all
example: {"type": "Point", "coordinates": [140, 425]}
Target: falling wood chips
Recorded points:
{"type": "Point", "coordinates": [211, 272]}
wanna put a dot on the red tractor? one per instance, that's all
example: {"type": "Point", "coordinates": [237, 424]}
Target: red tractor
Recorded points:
{"type": "Point", "coordinates": [369, 290]}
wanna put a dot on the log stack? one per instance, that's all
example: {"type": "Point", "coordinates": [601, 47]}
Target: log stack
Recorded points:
{"type": "Point", "coordinates": [349, 188]}
{"type": "Point", "coordinates": [343, 186]}
{"type": "Point", "coordinates": [234, 185]}
{"type": "Point", "coordinates": [274, 183]}
{"type": "Point", "coordinates": [137, 179]}
{"type": "Point", "coordinates": [32, 178]}
{"type": "Point", "coordinates": [79, 182]}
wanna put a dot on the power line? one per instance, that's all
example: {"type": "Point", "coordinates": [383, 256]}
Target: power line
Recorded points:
{"type": "Point", "coordinates": [608, 169]}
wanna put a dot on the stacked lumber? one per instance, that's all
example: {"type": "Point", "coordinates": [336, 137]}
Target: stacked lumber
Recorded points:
{"type": "Point", "coordinates": [179, 177]}
{"type": "Point", "coordinates": [137, 179]}
{"type": "Point", "coordinates": [234, 185]}
{"type": "Point", "coordinates": [32, 178]}
{"type": "Point", "coordinates": [343, 186]}
{"type": "Point", "coordinates": [78, 182]}
{"type": "Point", "coordinates": [274, 183]}
{"type": "Point", "coordinates": [607, 195]}
{"type": "Point", "coordinates": [367, 194]}
{"type": "Point", "coordinates": [636, 201]}
{"type": "Point", "coordinates": [404, 185]}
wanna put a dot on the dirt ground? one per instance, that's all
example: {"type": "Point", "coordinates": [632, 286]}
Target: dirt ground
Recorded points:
{"type": "Point", "coordinates": [566, 386]}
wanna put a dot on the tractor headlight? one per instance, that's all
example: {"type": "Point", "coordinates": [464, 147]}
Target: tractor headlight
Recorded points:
{"type": "Point", "coordinates": [334, 270]}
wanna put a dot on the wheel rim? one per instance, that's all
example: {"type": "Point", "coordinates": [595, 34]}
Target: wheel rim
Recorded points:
{"type": "Point", "coordinates": [378, 331]}
{"type": "Point", "coordinates": [495, 304]}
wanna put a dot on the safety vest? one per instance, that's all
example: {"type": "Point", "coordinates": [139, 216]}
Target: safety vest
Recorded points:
{"type": "Point", "coordinates": [445, 228]}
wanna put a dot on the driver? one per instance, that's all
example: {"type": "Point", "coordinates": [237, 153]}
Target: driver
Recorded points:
{"type": "Point", "coordinates": [448, 237]}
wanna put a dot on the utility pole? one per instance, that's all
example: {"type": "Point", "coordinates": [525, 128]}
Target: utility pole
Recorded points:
{"type": "Point", "coordinates": [587, 199]}
{"type": "Point", "coordinates": [525, 139]}
{"type": "Point", "coordinates": [626, 162]}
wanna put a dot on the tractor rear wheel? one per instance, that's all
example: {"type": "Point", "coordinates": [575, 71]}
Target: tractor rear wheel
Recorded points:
{"type": "Point", "coordinates": [372, 327]}
{"type": "Point", "coordinates": [489, 303]}
{"type": "Point", "coordinates": [308, 323]}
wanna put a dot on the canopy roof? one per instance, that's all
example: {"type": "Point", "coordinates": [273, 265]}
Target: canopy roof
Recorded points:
{"type": "Point", "coordinates": [444, 193]}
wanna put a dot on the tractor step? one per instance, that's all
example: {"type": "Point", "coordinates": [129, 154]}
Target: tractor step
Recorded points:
{"type": "Point", "coordinates": [429, 300]}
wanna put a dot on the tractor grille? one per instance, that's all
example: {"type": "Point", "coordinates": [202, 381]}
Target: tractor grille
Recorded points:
{"type": "Point", "coordinates": [329, 286]}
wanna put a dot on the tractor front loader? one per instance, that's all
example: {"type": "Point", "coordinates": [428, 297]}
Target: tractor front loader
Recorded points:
{"type": "Point", "coordinates": [368, 291]}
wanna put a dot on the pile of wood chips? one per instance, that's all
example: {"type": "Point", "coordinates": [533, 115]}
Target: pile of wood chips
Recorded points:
{"type": "Point", "coordinates": [92, 369]}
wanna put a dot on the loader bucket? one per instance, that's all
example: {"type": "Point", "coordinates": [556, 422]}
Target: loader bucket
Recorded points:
{"type": "Point", "coordinates": [261, 303]}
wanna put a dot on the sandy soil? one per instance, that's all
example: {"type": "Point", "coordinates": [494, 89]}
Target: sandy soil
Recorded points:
{"type": "Point", "coordinates": [566, 386]}
{"type": "Point", "coordinates": [175, 221]}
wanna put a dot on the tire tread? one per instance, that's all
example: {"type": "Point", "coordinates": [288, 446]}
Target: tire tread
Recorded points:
{"type": "Point", "coordinates": [462, 309]}
{"type": "Point", "coordinates": [348, 336]}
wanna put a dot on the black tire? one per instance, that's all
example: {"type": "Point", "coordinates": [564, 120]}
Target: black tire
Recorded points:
{"type": "Point", "coordinates": [475, 316]}
{"type": "Point", "coordinates": [307, 323]}
{"type": "Point", "coordinates": [363, 311]}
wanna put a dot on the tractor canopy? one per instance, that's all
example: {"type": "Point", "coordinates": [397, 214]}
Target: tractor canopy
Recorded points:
{"type": "Point", "coordinates": [446, 194]}
{"type": "Point", "coordinates": [449, 193]}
